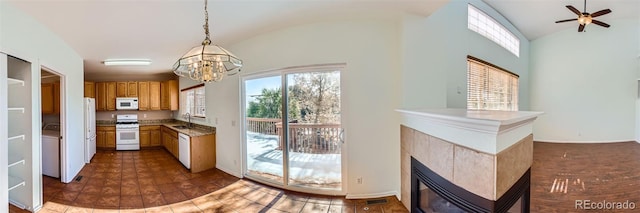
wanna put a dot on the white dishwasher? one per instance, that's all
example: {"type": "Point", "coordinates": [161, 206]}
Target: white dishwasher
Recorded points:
{"type": "Point", "coordinates": [184, 150]}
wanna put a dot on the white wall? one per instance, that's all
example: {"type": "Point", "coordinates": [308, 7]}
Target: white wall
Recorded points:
{"type": "Point", "coordinates": [586, 83]}
{"type": "Point", "coordinates": [23, 37]}
{"type": "Point", "coordinates": [370, 93]}
{"type": "Point", "coordinates": [434, 56]}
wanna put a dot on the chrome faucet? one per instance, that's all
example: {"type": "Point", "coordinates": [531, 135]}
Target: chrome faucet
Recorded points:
{"type": "Point", "coordinates": [189, 119]}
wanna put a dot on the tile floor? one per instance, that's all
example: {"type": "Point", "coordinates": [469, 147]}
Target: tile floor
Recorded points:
{"type": "Point", "coordinates": [154, 181]}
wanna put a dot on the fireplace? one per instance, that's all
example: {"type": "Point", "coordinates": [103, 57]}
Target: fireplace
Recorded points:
{"type": "Point", "coordinates": [432, 193]}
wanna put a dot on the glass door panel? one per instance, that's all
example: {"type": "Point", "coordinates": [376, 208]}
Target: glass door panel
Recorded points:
{"type": "Point", "coordinates": [263, 128]}
{"type": "Point", "coordinates": [314, 131]}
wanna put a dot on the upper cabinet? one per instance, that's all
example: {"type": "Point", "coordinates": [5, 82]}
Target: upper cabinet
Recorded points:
{"type": "Point", "coordinates": [47, 98]}
{"type": "Point", "coordinates": [152, 95]}
{"type": "Point", "coordinates": [143, 95]}
{"type": "Point", "coordinates": [111, 96]}
{"type": "Point", "coordinates": [50, 98]}
{"type": "Point", "coordinates": [101, 96]}
{"type": "Point", "coordinates": [132, 89]}
{"type": "Point", "coordinates": [89, 89]}
{"type": "Point", "coordinates": [169, 95]}
{"type": "Point", "coordinates": [121, 89]}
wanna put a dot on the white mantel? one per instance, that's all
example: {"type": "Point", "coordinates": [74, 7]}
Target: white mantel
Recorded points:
{"type": "Point", "coordinates": [484, 131]}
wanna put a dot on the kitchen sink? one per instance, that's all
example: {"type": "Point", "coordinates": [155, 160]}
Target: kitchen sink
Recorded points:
{"type": "Point", "coordinates": [181, 127]}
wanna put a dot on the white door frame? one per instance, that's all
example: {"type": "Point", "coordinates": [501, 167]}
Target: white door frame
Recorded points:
{"type": "Point", "coordinates": [63, 126]}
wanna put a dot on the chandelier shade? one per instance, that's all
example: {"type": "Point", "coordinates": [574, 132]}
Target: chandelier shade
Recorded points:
{"type": "Point", "coordinates": [207, 62]}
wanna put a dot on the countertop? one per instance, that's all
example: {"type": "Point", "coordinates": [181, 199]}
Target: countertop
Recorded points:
{"type": "Point", "coordinates": [197, 130]}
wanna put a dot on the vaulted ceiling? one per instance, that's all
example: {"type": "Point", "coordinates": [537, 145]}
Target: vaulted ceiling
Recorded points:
{"type": "Point", "coordinates": [162, 30]}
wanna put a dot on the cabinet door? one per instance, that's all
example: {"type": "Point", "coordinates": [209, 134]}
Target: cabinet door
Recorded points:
{"type": "Point", "coordinates": [145, 138]}
{"type": "Point", "coordinates": [174, 103]}
{"type": "Point", "coordinates": [143, 95]}
{"type": "Point", "coordinates": [110, 139]}
{"type": "Point", "coordinates": [154, 95]}
{"type": "Point", "coordinates": [132, 89]}
{"type": "Point", "coordinates": [121, 90]}
{"type": "Point", "coordinates": [101, 96]}
{"type": "Point", "coordinates": [100, 139]}
{"type": "Point", "coordinates": [155, 138]}
{"type": "Point", "coordinates": [56, 97]}
{"type": "Point", "coordinates": [89, 89]}
{"type": "Point", "coordinates": [111, 96]}
{"type": "Point", "coordinates": [47, 98]}
{"type": "Point", "coordinates": [174, 147]}
{"type": "Point", "coordinates": [164, 96]}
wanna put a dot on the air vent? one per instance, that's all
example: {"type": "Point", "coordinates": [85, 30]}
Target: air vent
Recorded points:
{"type": "Point", "coordinates": [79, 178]}
{"type": "Point", "coordinates": [376, 201]}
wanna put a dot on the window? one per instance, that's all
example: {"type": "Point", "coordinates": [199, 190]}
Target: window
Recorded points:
{"type": "Point", "coordinates": [488, 27]}
{"type": "Point", "coordinates": [194, 101]}
{"type": "Point", "coordinates": [490, 87]}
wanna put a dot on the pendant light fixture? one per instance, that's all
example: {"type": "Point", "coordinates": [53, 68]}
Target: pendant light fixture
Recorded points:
{"type": "Point", "coordinates": [207, 62]}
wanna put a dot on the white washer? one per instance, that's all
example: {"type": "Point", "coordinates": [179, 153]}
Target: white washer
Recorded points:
{"type": "Point", "coordinates": [51, 153]}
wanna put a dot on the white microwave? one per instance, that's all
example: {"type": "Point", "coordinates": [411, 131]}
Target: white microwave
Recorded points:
{"type": "Point", "coordinates": [127, 103]}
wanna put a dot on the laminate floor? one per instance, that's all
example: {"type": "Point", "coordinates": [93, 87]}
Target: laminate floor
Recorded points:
{"type": "Point", "coordinates": [564, 174]}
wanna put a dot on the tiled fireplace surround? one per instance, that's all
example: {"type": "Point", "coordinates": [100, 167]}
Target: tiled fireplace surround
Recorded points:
{"type": "Point", "coordinates": [486, 175]}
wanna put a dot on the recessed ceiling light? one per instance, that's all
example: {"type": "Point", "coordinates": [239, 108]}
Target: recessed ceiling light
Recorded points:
{"type": "Point", "coordinates": [127, 62]}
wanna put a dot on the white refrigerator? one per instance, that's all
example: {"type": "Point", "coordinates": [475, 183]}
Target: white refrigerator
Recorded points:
{"type": "Point", "coordinates": [89, 128]}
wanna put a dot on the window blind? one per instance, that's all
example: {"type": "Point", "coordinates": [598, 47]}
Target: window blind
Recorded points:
{"type": "Point", "coordinates": [490, 88]}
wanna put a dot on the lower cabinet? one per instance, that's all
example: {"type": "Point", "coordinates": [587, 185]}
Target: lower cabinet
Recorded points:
{"type": "Point", "coordinates": [202, 151]}
{"type": "Point", "coordinates": [106, 137]}
{"type": "Point", "coordinates": [170, 141]}
{"type": "Point", "coordinates": [150, 136]}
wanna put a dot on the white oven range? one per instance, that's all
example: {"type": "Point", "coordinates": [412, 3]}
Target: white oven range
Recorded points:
{"type": "Point", "coordinates": [127, 132]}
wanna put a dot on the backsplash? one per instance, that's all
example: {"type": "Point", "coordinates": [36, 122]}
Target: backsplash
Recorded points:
{"type": "Point", "coordinates": [150, 115]}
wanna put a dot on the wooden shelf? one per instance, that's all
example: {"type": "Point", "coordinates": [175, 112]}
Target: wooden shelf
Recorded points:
{"type": "Point", "coordinates": [15, 182]}
{"type": "Point", "coordinates": [16, 109]}
{"type": "Point", "coordinates": [13, 81]}
{"type": "Point", "coordinates": [16, 137]}
{"type": "Point", "coordinates": [15, 160]}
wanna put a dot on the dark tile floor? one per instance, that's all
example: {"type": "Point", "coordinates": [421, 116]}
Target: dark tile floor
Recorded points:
{"type": "Point", "coordinates": [153, 180]}
{"type": "Point", "coordinates": [593, 172]}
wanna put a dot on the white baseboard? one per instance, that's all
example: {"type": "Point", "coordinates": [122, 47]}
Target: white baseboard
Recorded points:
{"type": "Point", "coordinates": [229, 171]}
{"type": "Point", "coordinates": [37, 208]}
{"type": "Point", "coordinates": [372, 195]}
{"type": "Point", "coordinates": [559, 141]}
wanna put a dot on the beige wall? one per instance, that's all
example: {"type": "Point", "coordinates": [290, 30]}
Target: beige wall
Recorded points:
{"type": "Point", "coordinates": [150, 115]}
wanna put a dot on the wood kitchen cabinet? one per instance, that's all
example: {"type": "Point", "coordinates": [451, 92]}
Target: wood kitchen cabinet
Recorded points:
{"type": "Point", "coordinates": [106, 137]}
{"type": "Point", "coordinates": [89, 89]}
{"type": "Point", "coordinates": [154, 95]}
{"type": "Point", "coordinates": [111, 96]}
{"type": "Point", "coordinates": [121, 89]}
{"type": "Point", "coordinates": [150, 136]}
{"type": "Point", "coordinates": [47, 98]}
{"type": "Point", "coordinates": [203, 152]}
{"type": "Point", "coordinates": [169, 95]}
{"type": "Point", "coordinates": [101, 96]}
{"type": "Point", "coordinates": [132, 89]}
{"type": "Point", "coordinates": [170, 141]}
{"type": "Point", "coordinates": [50, 102]}
{"type": "Point", "coordinates": [143, 95]}
{"type": "Point", "coordinates": [56, 97]}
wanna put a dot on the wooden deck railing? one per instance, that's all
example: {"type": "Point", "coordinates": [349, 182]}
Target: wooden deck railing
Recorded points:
{"type": "Point", "coordinates": [303, 137]}
{"type": "Point", "coordinates": [265, 126]}
{"type": "Point", "coordinates": [312, 138]}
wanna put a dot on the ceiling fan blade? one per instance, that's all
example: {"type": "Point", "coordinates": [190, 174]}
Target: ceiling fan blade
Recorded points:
{"type": "Point", "coordinates": [573, 19]}
{"type": "Point", "coordinates": [581, 28]}
{"type": "Point", "coordinates": [574, 10]}
{"type": "Point", "coordinates": [600, 23]}
{"type": "Point", "coordinates": [601, 12]}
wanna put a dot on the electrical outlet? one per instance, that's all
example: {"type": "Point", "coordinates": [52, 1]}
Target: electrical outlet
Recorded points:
{"type": "Point", "coordinates": [359, 180]}
{"type": "Point", "coordinates": [216, 120]}
{"type": "Point", "coordinates": [113, 115]}
{"type": "Point", "coordinates": [233, 123]}
{"type": "Point", "coordinates": [144, 115]}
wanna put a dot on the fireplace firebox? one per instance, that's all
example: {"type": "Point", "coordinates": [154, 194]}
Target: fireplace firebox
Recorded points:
{"type": "Point", "coordinates": [431, 192]}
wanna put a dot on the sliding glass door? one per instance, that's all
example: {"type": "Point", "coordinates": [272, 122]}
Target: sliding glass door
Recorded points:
{"type": "Point", "coordinates": [302, 148]}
